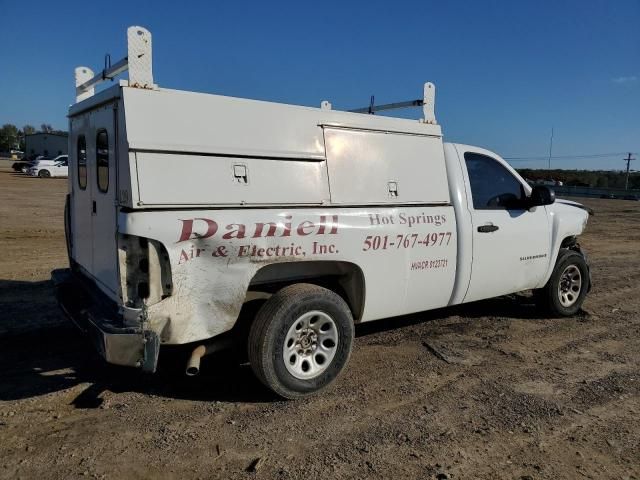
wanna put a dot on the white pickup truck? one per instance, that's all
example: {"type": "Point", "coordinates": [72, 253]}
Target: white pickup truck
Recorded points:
{"type": "Point", "coordinates": [203, 220]}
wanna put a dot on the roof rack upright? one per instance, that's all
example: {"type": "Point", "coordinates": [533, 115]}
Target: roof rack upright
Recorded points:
{"type": "Point", "coordinates": [138, 61]}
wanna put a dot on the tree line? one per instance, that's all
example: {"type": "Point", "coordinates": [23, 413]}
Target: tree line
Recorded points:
{"type": "Point", "coordinates": [12, 137]}
{"type": "Point", "coordinates": [584, 178]}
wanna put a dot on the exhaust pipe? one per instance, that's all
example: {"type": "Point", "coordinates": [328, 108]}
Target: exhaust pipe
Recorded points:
{"type": "Point", "coordinates": [215, 345]}
{"type": "Point", "coordinates": [193, 365]}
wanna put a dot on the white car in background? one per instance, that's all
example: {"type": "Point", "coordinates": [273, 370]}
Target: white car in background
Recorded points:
{"type": "Point", "coordinates": [58, 167]}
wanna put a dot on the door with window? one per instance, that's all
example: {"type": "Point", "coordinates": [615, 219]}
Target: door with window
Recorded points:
{"type": "Point", "coordinates": [510, 242]}
{"type": "Point", "coordinates": [81, 187]}
{"type": "Point", "coordinates": [103, 199]}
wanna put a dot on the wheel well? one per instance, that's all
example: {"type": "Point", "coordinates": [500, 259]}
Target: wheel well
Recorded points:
{"type": "Point", "coordinates": [344, 278]}
{"type": "Point", "coordinates": [569, 242]}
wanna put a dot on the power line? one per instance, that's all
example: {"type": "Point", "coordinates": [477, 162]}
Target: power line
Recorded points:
{"type": "Point", "coordinates": [568, 157]}
{"type": "Point", "coordinates": [550, 147]}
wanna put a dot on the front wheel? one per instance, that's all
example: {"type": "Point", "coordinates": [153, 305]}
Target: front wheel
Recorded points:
{"type": "Point", "coordinates": [44, 174]}
{"type": "Point", "coordinates": [565, 291]}
{"type": "Point", "coordinates": [300, 340]}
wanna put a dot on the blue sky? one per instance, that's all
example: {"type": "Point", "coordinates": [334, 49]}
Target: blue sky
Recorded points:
{"type": "Point", "coordinates": [505, 71]}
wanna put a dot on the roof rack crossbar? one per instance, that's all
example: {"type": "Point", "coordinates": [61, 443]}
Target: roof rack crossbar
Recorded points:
{"type": "Point", "coordinates": [138, 61]}
{"type": "Point", "coordinates": [388, 106]}
{"type": "Point", "coordinates": [427, 103]}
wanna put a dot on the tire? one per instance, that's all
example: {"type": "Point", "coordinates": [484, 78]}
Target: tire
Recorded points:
{"type": "Point", "coordinates": [44, 174]}
{"type": "Point", "coordinates": [300, 325]}
{"type": "Point", "coordinates": [242, 327]}
{"type": "Point", "coordinates": [567, 287]}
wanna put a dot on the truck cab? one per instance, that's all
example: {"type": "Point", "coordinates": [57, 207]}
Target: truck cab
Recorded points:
{"type": "Point", "coordinates": [209, 221]}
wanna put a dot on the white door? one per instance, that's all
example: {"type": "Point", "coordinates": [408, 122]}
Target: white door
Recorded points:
{"type": "Point", "coordinates": [103, 205]}
{"type": "Point", "coordinates": [81, 193]}
{"type": "Point", "coordinates": [510, 242]}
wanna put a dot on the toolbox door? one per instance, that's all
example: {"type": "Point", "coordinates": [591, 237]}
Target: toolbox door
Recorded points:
{"type": "Point", "coordinates": [378, 167]}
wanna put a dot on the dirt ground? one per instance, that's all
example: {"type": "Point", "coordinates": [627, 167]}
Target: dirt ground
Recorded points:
{"type": "Point", "coordinates": [515, 396]}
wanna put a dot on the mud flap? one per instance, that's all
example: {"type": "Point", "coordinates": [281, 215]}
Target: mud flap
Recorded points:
{"type": "Point", "coordinates": [151, 351]}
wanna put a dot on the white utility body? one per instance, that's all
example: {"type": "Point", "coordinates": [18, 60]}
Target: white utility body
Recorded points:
{"type": "Point", "coordinates": [186, 207]}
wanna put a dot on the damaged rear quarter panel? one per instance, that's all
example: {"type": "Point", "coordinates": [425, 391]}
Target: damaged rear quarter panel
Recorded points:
{"type": "Point", "coordinates": [214, 255]}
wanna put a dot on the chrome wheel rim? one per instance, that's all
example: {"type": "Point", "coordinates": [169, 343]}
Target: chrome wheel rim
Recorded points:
{"type": "Point", "coordinates": [310, 345]}
{"type": "Point", "coordinates": [570, 286]}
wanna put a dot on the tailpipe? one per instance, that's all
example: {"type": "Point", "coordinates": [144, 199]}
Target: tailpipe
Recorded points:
{"type": "Point", "coordinates": [193, 365]}
{"type": "Point", "coordinates": [214, 345]}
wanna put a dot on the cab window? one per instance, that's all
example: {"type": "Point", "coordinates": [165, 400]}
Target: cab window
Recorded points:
{"type": "Point", "coordinates": [493, 187]}
{"type": "Point", "coordinates": [81, 156]}
{"type": "Point", "coordinates": [102, 160]}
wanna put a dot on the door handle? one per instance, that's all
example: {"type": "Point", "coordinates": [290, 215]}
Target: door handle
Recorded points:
{"type": "Point", "coordinates": [94, 207]}
{"type": "Point", "coordinates": [488, 228]}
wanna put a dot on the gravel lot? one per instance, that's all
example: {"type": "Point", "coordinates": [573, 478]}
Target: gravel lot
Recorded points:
{"type": "Point", "coordinates": [515, 396]}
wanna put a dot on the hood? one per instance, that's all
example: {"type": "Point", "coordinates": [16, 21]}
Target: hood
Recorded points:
{"type": "Point", "coordinates": [574, 204]}
{"type": "Point", "coordinates": [569, 219]}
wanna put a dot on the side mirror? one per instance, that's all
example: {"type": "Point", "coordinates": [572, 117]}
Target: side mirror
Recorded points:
{"type": "Point", "coordinates": [541, 195]}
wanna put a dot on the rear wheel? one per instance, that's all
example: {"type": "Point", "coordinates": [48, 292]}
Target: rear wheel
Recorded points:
{"type": "Point", "coordinates": [301, 340]}
{"type": "Point", "coordinates": [44, 173]}
{"type": "Point", "coordinates": [565, 291]}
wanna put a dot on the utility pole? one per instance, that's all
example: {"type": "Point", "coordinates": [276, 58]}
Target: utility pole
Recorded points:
{"type": "Point", "coordinates": [628, 160]}
{"type": "Point", "coordinates": [550, 148]}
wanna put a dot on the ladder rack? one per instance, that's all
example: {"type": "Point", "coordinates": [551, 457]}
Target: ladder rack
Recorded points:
{"type": "Point", "coordinates": [138, 61]}
{"type": "Point", "coordinates": [427, 103]}
{"type": "Point", "coordinates": [139, 64]}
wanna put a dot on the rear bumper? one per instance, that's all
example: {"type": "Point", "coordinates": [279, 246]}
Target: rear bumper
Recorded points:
{"type": "Point", "coordinates": [116, 332]}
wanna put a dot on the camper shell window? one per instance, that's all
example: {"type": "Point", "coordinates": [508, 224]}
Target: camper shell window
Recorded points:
{"type": "Point", "coordinates": [81, 156]}
{"type": "Point", "coordinates": [102, 160]}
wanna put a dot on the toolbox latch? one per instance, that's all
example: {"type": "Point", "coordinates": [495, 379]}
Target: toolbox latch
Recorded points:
{"type": "Point", "coordinates": [393, 189]}
{"type": "Point", "coordinates": [241, 174]}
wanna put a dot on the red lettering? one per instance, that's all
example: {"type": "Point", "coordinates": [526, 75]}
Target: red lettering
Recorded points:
{"type": "Point", "coordinates": [334, 225]}
{"type": "Point", "coordinates": [239, 231]}
{"type": "Point", "coordinates": [260, 227]}
{"type": "Point", "coordinates": [184, 258]}
{"type": "Point", "coordinates": [188, 233]}
{"type": "Point", "coordinates": [305, 225]}
{"type": "Point", "coordinates": [287, 227]}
